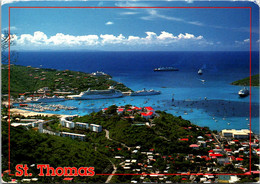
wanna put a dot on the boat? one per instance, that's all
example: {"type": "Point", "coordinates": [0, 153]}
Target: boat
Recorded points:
{"type": "Point", "coordinates": [161, 69]}
{"type": "Point", "coordinates": [145, 92]}
{"type": "Point", "coordinates": [200, 72]}
{"type": "Point", "coordinates": [243, 92]}
{"type": "Point", "coordinates": [46, 99]}
{"type": "Point", "coordinates": [97, 94]}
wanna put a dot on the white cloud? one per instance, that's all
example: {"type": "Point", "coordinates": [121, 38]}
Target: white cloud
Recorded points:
{"type": "Point", "coordinates": [243, 42]}
{"type": "Point", "coordinates": [111, 39]}
{"type": "Point", "coordinates": [133, 3]}
{"type": "Point", "coordinates": [41, 40]}
{"type": "Point", "coordinates": [153, 14]}
{"type": "Point", "coordinates": [129, 13]}
{"type": "Point", "coordinates": [109, 23]}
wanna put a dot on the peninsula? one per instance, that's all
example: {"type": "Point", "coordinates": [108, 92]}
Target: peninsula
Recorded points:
{"type": "Point", "coordinates": [29, 80]}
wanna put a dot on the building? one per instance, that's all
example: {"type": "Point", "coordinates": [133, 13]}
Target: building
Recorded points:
{"type": "Point", "coordinates": [147, 115]}
{"type": "Point", "coordinates": [237, 134]}
{"type": "Point", "coordinates": [43, 90]}
{"type": "Point", "coordinates": [66, 122]}
{"type": "Point", "coordinates": [95, 128]}
{"type": "Point", "coordinates": [149, 109]}
{"type": "Point", "coordinates": [73, 136]}
{"type": "Point", "coordinates": [120, 110]}
{"type": "Point", "coordinates": [82, 125]}
{"type": "Point", "coordinates": [194, 146]}
{"type": "Point", "coordinates": [97, 73]}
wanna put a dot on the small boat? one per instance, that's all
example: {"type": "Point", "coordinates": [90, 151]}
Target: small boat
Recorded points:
{"type": "Point", "coordinates": [200, 72]}
{"type": "Point", "coordinates": [243, 92]}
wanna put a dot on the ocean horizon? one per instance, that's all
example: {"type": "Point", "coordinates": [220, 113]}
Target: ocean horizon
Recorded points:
{"type": "Point", "coordinates": [135, 70]}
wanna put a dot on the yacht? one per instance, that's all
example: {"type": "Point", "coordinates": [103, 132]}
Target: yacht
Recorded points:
{"type": "Point", "coordinates": [243, 92]}
{"type": "Point", "coordinates": [97, 94]}
{"type": "Point", "coordinates": [145, 92]}
{"type": "Point", "coordinates": [200, 72]}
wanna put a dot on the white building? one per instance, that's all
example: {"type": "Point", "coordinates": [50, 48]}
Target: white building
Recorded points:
{"type": "Point", "coordinates": [82, 125]}
{"type": "Point", "coordinates": [95, 128]}
{"type": "Point", "coordinates": [73, 136]}
{"type": "Point", "coordinates": [237, 134]}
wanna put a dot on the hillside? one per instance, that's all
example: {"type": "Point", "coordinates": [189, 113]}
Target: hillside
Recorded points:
{"type": "Point", "coordinates": [30, 147]}
{"type": "Point", "coordinates": [245, 81]}
{"type": "Point", "coordinates": [29, 79]}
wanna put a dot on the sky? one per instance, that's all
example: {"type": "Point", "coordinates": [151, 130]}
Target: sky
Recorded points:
{"type": "Point", "coordinates": [132, 29]}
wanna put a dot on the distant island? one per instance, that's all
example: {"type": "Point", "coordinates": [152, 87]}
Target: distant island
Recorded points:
{"type": "Point", "coordinates": [245, 81]}
{"type": "Point", "coordinates": [27, 79]}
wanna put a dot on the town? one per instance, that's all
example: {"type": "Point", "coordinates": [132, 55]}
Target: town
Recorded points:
{"type": "Point", "coordinates": [191, 154]}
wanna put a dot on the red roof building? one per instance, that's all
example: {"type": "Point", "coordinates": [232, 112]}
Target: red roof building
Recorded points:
{"type": "Point", "coordinates": [147, 115]}
{"type": "Point", "coordinates": [215, 155]}
{"type": "Point", "coordinates": [149, 109]}
{"type": "Point", "coordinates": [194, 146]}
{"type": "Point", "coordinates": [120, 110]}
{"type": "Point", "coordinates": [137, 108]}
{"type": "Point", "coordinates": [184, 139]}
{"type": "Point", "coordinates": [68, 179]}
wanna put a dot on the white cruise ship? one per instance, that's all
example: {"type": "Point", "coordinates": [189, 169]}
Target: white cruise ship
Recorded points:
{"type": "Point", "coordinates": [46, 99]}
{"type": "Point", "coordinates": [97, 94]}
{"type": "Point", "coordinates": [145, 92]}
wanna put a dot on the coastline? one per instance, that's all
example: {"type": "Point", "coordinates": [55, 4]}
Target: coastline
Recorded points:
{"type": "Point", "coordinates": [31, 113]}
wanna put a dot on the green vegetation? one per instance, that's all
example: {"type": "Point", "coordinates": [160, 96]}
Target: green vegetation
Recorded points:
{"type": "Point", "coordinates": [29, 79]}
{"type": "Point", "coordinates": [245, 81]}
{"type": "Point", "coordinates": [162, 136]}
{"type": "Point", "coordinates": [30, 147]}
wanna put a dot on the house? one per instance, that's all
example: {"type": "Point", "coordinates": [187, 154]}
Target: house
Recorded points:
{"type": "Point", "coordinates": [223, 161]}
{"type": "Point", "coordinates": [120, 110]}
{"type": "Point", "coordinates": [194, 146]}
{"type": "Point", "coordinates": [104, 110]}
{"type": "Point", "coordinates": [147, 115]}
{"type": "Point", "coordinates": [149, 109]}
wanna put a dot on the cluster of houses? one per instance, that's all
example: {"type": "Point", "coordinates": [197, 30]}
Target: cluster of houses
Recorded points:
{"type": "Point", "coordinates": [146, 112]}
{"type": "Point", "coordinates": [221, 154]}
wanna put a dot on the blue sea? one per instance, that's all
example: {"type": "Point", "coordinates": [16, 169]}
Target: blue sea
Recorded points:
{"type": "Point", "coordinates": [223, 109]}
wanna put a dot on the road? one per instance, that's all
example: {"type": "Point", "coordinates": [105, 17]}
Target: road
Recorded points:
{"type": "Point", "coordinates": [221, 146]}
{"type": "Point", "coordinates": [124, 145]}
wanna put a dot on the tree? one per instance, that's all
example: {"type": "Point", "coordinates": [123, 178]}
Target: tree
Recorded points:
{"type": "Point", "coordinates": [5, 37]}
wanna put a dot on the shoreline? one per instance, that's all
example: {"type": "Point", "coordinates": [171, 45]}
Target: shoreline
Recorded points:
{"type": "Point", "coordinates": [27, 113]}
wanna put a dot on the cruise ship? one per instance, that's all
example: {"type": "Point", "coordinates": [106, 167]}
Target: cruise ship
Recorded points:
{"type": "Point", "coordinates": [46, 99]}
{"type": "Point", "coordinates": [161, 69]}
{"type": "Point", "coordinates": [145, 92]}
{"type": "Point", "coordinates": [243, 92]}
{"type": "Point", "coordinates": [97, 94]}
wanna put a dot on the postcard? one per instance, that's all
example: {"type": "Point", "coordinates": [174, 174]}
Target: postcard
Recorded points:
{"type": "Point", "coordinates": [130, 91]}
